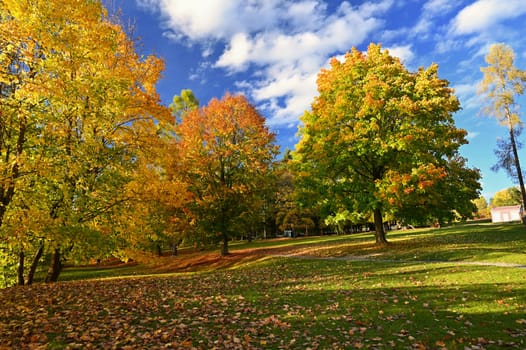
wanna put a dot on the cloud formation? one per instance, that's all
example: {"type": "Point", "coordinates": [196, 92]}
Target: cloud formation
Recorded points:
{"type": "Point", "coordinates": [274, 49]}
{"type": "Point", "coordinates": [286, 42]}
{"type": "Point", "coordinates": [481, 15]}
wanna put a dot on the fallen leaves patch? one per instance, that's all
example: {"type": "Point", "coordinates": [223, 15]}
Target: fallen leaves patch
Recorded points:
{"type": "Point", "coordinates": [285, 304]}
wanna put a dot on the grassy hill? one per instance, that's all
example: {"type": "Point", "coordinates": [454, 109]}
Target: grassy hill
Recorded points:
{"type": "Point", "coordinates": [452, 288]}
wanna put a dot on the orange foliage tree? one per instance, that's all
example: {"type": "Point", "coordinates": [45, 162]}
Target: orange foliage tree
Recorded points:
{"type": "Point", "coordinates": [225, 156]}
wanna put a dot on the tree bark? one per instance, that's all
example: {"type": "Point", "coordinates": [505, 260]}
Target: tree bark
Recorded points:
{"type": "Point", "coordinates": [224, 248]}
{"type": "Point", "coordinates": [518, 167]}
{"type": "Point", "coordinates": [174, 249]}
{"type": "Point", "coordinates": [34, 264]}
{"type": "Point", "coordinates": [55, 268]}
{"type": "Point", "coordinates": [20, 272]}
{"type": "Point", "coordinates": [379, 231]}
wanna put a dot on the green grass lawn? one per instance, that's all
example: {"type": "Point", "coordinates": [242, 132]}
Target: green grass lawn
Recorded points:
{"type": "Point", "coordinates": [400, 298]}
{"type": "Point", "coordinates": [485, 242]}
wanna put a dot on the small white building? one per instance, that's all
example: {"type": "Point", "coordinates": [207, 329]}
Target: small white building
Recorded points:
{"type": "Point", "coordinates": [507, 213]}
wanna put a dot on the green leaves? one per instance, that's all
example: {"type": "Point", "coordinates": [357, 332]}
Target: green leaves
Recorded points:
{"type": "Point", "coordinates": [374, 123]}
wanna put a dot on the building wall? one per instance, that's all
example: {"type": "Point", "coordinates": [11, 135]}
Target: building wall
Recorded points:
{"type": "Point", "coordinates": [506, 214]}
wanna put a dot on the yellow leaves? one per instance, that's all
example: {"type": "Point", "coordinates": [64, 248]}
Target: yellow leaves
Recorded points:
{"type": "Point", "coordinates": [501, 83]}
{"type": "Point", "coordinates": [86, 105]}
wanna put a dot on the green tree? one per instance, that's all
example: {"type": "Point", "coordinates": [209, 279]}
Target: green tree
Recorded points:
{"type": "Point", "coordinates": [226, 153]}
{"type": "Point", "coordinates": [183, 103]}
{"type": "Point", "coordinates": [508, 196]}
{"type": "Point", "coordinates": [501, 84]}
{"type": "Point", "coordinates": [289, 213]}
{"type": "Point", "coordinates": [376, 134]}
{"type": "Point", "coordinates": [449, 199]}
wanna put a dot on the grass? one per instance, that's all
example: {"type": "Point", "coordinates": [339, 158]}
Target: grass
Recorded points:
{"type": "Point", "coordinates": [401, 297]}
{"type": "Point", "coordinates": [471, 242]}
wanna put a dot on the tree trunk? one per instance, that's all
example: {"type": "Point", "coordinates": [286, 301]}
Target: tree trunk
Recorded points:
{"type": "Point", "coordinates": [159, 250]}
{"type": "Point", "coordinates": [34, 264]}
{"type": "Point", "coordinates": [174, 249]}
{"type": "Point", "coordinates": [20, 272]}
{"type": "Point", "coordinates": [519, 171]}
{"type": "Point", "coordinates": [224, 248]}
{"type": "Point", "coordinates": [379, 231]}
{"type": "Point", "coordinates": [55, 268]}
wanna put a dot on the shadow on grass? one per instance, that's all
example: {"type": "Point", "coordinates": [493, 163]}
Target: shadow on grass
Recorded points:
{"type": "Point", "coordinates": [277, 303]}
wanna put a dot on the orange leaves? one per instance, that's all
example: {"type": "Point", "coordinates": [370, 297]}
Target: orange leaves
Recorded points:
{"type": "Point", "coordinates": [225, 153]}
{"type": "Point", "coordinates": [398, 188]}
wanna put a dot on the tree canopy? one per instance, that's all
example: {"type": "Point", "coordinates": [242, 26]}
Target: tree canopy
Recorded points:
{"type": "Point", "coordinates": [379, 137]}
{"type": "Point", "coordinates": [225, 153]}
{"type": "Point", "coordinates": [505, 197]}
{"type": "Point", "coordinates": [92, 164]}
{"type": "Point", "coordinates": [78, 106]}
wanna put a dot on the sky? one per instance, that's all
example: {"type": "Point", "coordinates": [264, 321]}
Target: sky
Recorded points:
{"type": "Point", "coordinates": [272, 50]}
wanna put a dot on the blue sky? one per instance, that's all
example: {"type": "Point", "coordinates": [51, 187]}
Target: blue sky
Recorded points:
{"type": "Point", "coordinates": [272, 50]}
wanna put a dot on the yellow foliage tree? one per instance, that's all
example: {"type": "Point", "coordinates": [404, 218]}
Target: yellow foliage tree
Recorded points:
{"type": "Point", "coordinates": [84, 105]}
{"type": "Point", "coordinates": [501, 84]}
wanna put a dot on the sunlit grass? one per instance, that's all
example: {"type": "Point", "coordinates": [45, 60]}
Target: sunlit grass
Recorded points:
{"type": "Point", "coordinates": [476, 242]}
{"type": "Point", "coordinates": [388, 301]}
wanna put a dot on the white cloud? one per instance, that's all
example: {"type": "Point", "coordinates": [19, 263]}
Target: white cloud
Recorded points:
{"type": "Point", "coordinates": [289, 60]}
{"type": "Point", "coordinates": [237, 56]}
{"type": "Point", "coordinates": [222, 19]}
{"type": "Point", "coordinates": [483, 14]}
{"type": "Point", "coordinates": [465, 89]}
{"type": "Point", "coordinates": [467, 94]}
{"type": "Point", "coordinates": [472, 135]}
{"type": "Point", "coordinates": [282, 44]}
{"type": "Point", "coordinates": [404, 53]}
{"type": "Point", "coordinates": [437, 7]}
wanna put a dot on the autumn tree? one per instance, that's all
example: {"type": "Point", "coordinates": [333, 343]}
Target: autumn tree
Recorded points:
{"type": "Point", "coordinates": [378, 133]}
{"type": "Point", "coordinates": [289, 213]}
{"type": "Point", "coordinates": [501, 84]}
{"type": "Point", "coordinates": [482, 207]}
{"type": "Point", "coordinates": [83, 103]}
{"type": "Point", "coordinates": [147, 222]}
{"type": "Point", "coordinates": [508, 196]}
{"type": "Point", "coordinates": [449, 199]}
{"type": "Point", "coordinates": [225, 154]}
{"type": "Point", "coordinates": [160, 196]}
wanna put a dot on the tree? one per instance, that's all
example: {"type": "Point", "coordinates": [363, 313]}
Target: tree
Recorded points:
{"type": "Point", "coordinates": [482, 207]}
{"type": "Point", "coordinates": [508, 196]}
{"type": "Point", "coordinates": [225, 154]}
{"type": "Point", "coordinates": [501, 83]}
{"type": "Point", "coordinates": [504, 153]}
{"type": "Point", "coordinates": [377, 133]}
{"type": "Point", "coordinates": [183, 103]}
{"type": "Point", "coordinates": [289, 214]}
{"type": "Point", "coordinates": [84, 105]}
{"type": "Point", "coordinates": [449, 199]}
